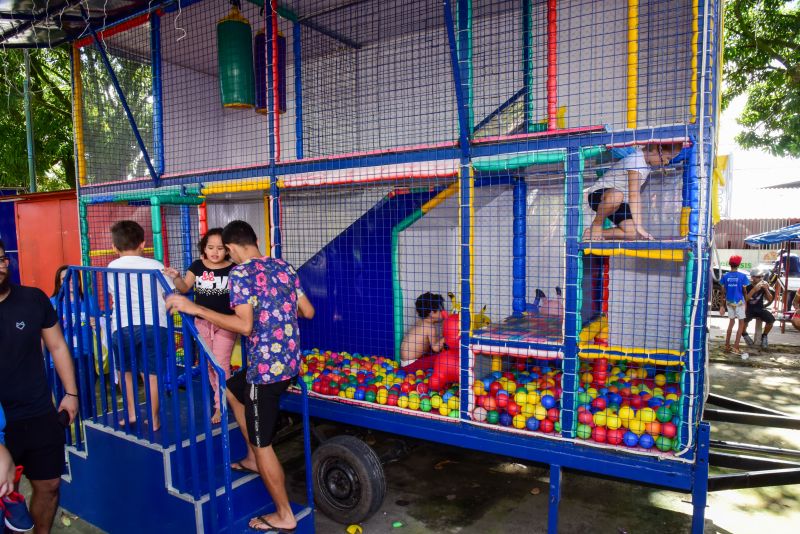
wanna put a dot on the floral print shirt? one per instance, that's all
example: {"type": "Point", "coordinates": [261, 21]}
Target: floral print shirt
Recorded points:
{"type": "Point", "coordinates": [271, 286]}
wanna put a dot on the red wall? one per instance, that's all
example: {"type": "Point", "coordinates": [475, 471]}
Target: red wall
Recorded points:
{"type": "Point", "coordinates": [47, 235]}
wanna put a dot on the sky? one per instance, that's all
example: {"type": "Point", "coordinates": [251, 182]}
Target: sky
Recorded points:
{"type": "Point", "coordinates": [754, 169]}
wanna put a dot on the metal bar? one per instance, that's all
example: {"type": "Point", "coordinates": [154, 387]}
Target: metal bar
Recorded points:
{"type": "Point", "coordinates": [742, 461]}
{"type": "Point", "coordinates": [751, 447]}
{"type": "Point", "coordinates": [741, 406]}
{"type": "Point", "coordinates": [297, 49]}
{"type": "Point", "coordinates": [124, 101]}
{"type": "Point", "coordinates": [754, 479]}
{"type": "Point", "coordinates": [275, 241]}
{"type": "Point", "coordinates": [29, 125]}
{"type": "Point", "coordinates": [527, 65]}
{"type": "Point", "coordinates": [501, 108]}
{"type": "Point", "coordinates": [700, 480]}
{"type": "Point", "coordinates": [158, 108]}
{"type": "Point", "coordinates": [158, 331]}
{"type": "Point", "coordinates": [145, 370]}
{"type": "Point", "coordinates": [520, 247]}
{"type": "Point", "coordinates": [730, 416]}
{"type": "Point", "coordinates": [552, 65]}
{"type": "Point", "coordinates": [186, 235]}
{"type": "Point", "coordinates": [554, 499]}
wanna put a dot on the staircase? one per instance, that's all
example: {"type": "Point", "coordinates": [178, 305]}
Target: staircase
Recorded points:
{"type": "Point", "coordinates": [128, 479]}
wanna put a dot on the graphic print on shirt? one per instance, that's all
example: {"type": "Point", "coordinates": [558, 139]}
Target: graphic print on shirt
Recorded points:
{"type": "Point", "coordinates": [210, 285]}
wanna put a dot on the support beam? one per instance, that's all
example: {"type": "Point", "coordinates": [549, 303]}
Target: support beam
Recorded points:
{"type": "Point", "coordinates": [743, 461]}
{"type": "Point", "coordinates": [554, 499]}
{"type": "Point", "coordinates": [736, 404]}
{"type": "Point", "coordinates": [754, 479]}
{"type": "Point", "coordinates": [751, 447]}
{"type": "Point", "coordinates": [29, 125]}
{"type": "Point", "coordinates": [730, 416]}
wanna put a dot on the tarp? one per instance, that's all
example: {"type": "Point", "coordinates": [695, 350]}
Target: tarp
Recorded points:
{"type": "Point", "coordinates": [774, 237]}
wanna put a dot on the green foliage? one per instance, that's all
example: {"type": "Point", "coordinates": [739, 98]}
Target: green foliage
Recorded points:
{"type": "Point", "coordinates": [762, 61]}
{"type": "Point", "coordinates": [51, 118]}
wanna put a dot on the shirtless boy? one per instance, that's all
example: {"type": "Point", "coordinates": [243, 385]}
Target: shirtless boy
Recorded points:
{"type": "Point", "coordinates": [425, 336]}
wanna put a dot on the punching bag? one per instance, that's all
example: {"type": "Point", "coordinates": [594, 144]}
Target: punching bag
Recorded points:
{"type": "Point", "coordinates": [235, 60]}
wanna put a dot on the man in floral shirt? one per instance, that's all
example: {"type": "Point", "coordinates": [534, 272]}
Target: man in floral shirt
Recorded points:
{"type": "Point", "coordinates": [267, 299]}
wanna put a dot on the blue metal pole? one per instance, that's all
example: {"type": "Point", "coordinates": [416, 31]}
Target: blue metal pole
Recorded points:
{"type": "Point", "coordinates": [298, 88]}
{"type": "Point", "coordinates": [527, 63]}
{"type": "Point", "coordinates": [700, 482]}
{"type": "Point", "coordinates": [520, 247]}
{"type": "Point", "coordinates": [572, 312]}
{"type": "Point", "coordinates": [186, 235]}
{"type": "Point", "coordinates": [554, 499]}
{"type": "Point", "coordinates": [464, 46]}
{"type": "Point", "coordinates": [275, 240]}
{"type": "Point", "coordinates": [158, 109]}
{"type": "Point", "coordinates": [121, 95]}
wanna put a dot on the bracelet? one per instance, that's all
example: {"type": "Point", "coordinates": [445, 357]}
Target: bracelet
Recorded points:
{"type": "Point", "coordinates": [71, 394]}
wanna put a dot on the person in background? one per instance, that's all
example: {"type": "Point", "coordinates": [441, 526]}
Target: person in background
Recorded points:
{"type": "Point", "coordinates": [755, 293]}
{"type": "Point", "coordinates": [209, 278]}
{"type": "Point", "coordinates": [34, 434]}
{"type": "Point", "coordinates": [734, 283]}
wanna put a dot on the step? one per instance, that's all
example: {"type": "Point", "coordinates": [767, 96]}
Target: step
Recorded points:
{"type": "Point", "coordinates": [303, 514]}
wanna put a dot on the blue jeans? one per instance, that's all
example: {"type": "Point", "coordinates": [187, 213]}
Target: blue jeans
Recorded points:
{"type": "Point", "coordinates": [145, 345]}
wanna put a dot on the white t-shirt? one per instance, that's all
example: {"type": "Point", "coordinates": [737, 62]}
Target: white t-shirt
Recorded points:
{"type": "Point", "coordinates": [137, 263]}
{"type": "Point", "coordinates": [616, 176]}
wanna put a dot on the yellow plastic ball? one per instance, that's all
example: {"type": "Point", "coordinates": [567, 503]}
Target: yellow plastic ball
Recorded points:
{"type": "Point", "coordinates": [636, 426]}
{"type": "Point", "coordinates": [520, 397]}
{"type": "Point", "coordinates": [587, 378]}
{"type": "Point", "coordinates": [444, 410]}
{"type": "Point", "coordinates": [402, 402]}
{"type": "Point", "coordinates": [511, 387]}
{"type": "Point", "coordinates": [436, 402]}
{"type": "Point", "coordinates": [600, 418]}
{"type": "Point", "coordinates": [519, 421]}
{"type": "Point", "coordinates": [534, 397]}
{"type": "Point", "coordinates": [647, 415]}
{"type": "Point", "coordinates": [672, 396]}
{"type": "Point", "coordinates": [342, 394]}
{"type": "Point", "coordinates": [478, 388]}
{"type": "Point", "coordinates": [413, 402]}
{"type": "Point", "coordinates": [626, 414]}
{"type": "Point", "coordinates": [528, 409]}
{"type": "Point", "coordinates": [350, 392]}
{"type": "Point", "coordinates": [452, 403]}
{"type": "Point", "coordinates": [540, 412]}
{"type": "Point", "coordinates": [592, 392]}
{"type": "Point", "coordinates": [382, 396]}
{"type": "Point", "coordinates": [660, 379]}
{"type": "Point", "coordinates": [613, 421]}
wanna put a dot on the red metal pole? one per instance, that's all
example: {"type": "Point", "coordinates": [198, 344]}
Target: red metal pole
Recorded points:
{"type": "Point", "coordinates": [552, 65]}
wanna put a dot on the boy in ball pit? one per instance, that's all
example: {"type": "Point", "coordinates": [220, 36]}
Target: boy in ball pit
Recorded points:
{"type": "Point", "coordinates": [424, 341]}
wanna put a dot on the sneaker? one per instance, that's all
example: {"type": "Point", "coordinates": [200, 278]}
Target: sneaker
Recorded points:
{"type": "Point", "coordinates": [15, 512]}
{"type": "Point", "coordinates": [764, 342]}
{"type": "Point", "coordinates": [747, 339]}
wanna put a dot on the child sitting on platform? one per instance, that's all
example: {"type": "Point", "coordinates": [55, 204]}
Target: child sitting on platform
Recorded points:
{"type": "Point", "coordinates": [424, 339]}
{"type": "Point", "coordinates": [128, 331]}
{"type": "Point", "coordinates": [209, 278]}
{"type": "Point", "coordinates": [616, 195]}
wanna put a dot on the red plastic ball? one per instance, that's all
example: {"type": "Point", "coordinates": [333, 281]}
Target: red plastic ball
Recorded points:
{"type": "Point", "coordinates": [585, 418]}
{"type": "Point", "coordinates": [669, 430]}
{"type": "Point", "coordinates": [546, 426]}
{"type": "Point", "coordinates": [553, 414]}
{"type": "Point", "coordinates": [599, 434]}
{"type": "Point", "coordinates": [614, 437]}
{"type": "Point", "coordinates": [512, 408]}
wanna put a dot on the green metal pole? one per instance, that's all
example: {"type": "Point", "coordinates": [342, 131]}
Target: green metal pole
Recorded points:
{"type": "Point", "coordinates": [29, 125]}
{"type": "Point", "coordinates": [158, 236]}
{"type": "Point", "coordinates": [83, 211]}
{"type": "Point", "coordinates": [397, 288]}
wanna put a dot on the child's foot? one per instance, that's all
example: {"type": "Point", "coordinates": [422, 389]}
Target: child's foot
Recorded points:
{"type": "Point", "coordinates": [217, 417]}
{"type": "Point", "coordinates": [590, 234]}
{"type": "Point", "coordinates": [736, 350]}
{"type": "Point", "coordinates": [272, 523]}
{"type": "Point", "coordinates": [727, 349]}
{"type": "Point", "coordinates": [748, 339]}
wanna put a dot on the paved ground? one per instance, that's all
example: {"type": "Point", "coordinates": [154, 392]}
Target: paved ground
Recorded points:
{"type": "Point", "coordinates": [437, 489]}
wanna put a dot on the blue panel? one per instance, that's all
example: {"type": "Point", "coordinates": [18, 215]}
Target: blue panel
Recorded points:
{"type": "Point", "coordinates": [350, 282]}
{"type": "Point", "coordinates": [8, 233]}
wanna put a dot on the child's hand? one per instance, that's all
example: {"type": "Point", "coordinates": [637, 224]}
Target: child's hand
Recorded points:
{"type": "Point", "coordinates": [722, 310]}
{"type": "Point", "coordinates": [177, 303]}
{"type": "Point", "coordinates": [171, 273]}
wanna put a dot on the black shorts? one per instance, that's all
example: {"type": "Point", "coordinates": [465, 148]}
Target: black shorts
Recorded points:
{"type": "Point", "coordinates": [37, 444]}
{"type": "Point", "coordinates": [759, 313]}
{"type": "Point", "coordinates": [623, 212]}
{"type": "Point", "coordinates": [261, 407]}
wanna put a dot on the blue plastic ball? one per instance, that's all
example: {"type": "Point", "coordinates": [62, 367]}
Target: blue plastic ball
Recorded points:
{"type": "Point", "coordinates": [646, 441]}
{"type": "Point", "coordinates": [548, 401]}
{"type": "Point", "coordinates": [630, 439]}
{"type": "Point", "coordinates": [532, 424]}
{"type": "Point", "coordinates": [505, 419]}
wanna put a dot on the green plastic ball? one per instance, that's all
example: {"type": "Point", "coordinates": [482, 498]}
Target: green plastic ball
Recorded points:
{"type": "Point", "coordinates": [425, 405]}
{"type": "Point", "coordinates": [664, 414]}
{"type": "Point", "coordinates": [492, 417]}
{"type": "Point", "coordinates": [663, 443]}
{"type": "Point", "coordinates": [369, 396]}
{"type": "Point", "coordinates": [584, 431]}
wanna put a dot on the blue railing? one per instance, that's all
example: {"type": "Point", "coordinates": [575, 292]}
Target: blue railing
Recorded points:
{"type": "Point", "coordinates": [89, 315]}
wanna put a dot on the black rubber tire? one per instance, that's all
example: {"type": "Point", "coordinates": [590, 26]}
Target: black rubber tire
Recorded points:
{"type": "Point", "coordinates": [349, 484]}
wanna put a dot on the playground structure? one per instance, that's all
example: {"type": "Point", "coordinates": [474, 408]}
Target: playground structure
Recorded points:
{"type": "Point", "coordinates": [411, 147]}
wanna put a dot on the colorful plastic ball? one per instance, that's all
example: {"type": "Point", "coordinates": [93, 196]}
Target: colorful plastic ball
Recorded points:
{"type": "Point", "coordinates": [646, 441]}
{"type": "Point", "coordinates": [505, 419]}
{"type": "Point", "coordinates": [454, 414]}
{"type": "Point", "coordinates": [436, 401]}
{"type": "Point", "coordinates": [585, 418]}
{"type": "Point", "coordinates": [527, 409]}
{"type": "Point", "coordinates": [599, 434]}
{"type": "Point", "coordinates": [513, 408]}
{"type": "Point", "coordinates": [518, 421]}
{"type": "Point", "coordinates": [669, 430]}
{"type": "Point", "coordinates": [584, 398]}
{"type": "Point", "coordinates": [532, 424]}
{"type": "Point", "coordinates": [557, 427]}
{"type": "Point", "coordinates": [653, 428]}
{"type": "Point", "coordinates": [584, 431]}
{"type": "Point", "coordinates": [647, 415]}
{"type": "Point", "coordinates": [540, 412]}
{"type": "Point", "coordinates": [534, 397]}
{"type": "Point", "coordinates": [664, 414]}
{"type": "Point", "coordinates": [444, 410]}
{"type": "Point", "coordinates": [613, 421]}
{"type": "Point", "coordinates": [636, 426]}
{"type": "Point", "coordinates": [502, 399]}
{"type": "Point", "coordinates": [626, 413]}
{"type": "Point", "coordinates": [614, 437]}
{"type": "Point", "coordinates": [630, 439]}
{"type": "Point", "coordinates": [425, 404]}
{"type": "Point", "coordinates": [370, 396]}
{"type": "Point", "coordinates": [553, 414]}
{"type": "Point", "coordinates": [413, 403]}
{"type": "Point", "coordinates": [548, 401]}
{"type": "Point", "coordinates": [663, 443]}
{"type": "Point", "coordinates": [479, 414]}
{"type": "Point", "coordinates": [492, 417]}
{"type": "Point", "coordinates": [402, 402]}
{"type": "Point", "coordinates": [546, 426]}
{"type": "Point", "coordinates": [600, 418]}
{"type": "Point", "coordinates": [660, 379]}
{"type": "Point", "coordinates": [478, 388]}
{"type": "Point", "coordinates": [520, 397]}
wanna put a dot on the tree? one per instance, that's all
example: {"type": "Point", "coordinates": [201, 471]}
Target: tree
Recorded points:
{"type": "Point", "coordinates": [51, 115]}
{"type": "Point", "coordinates": [762, 61]}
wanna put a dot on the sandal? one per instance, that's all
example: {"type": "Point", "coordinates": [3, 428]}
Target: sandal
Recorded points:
{"type": "Point", "coordinates": [262, 525]}
{"type": "Point", "coordinates": [240, 468]}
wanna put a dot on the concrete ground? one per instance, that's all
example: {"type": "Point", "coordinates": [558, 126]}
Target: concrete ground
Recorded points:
{"type": "Point", "coordinates": [438, 489]}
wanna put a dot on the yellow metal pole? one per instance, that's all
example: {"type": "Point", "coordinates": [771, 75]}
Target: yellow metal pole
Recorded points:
{"type": "Point", "coordinates": [633, 62]}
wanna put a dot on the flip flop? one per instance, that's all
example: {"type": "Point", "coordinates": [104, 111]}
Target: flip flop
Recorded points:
{"type": "Point", "coordinates": [270, 529]}
{"type": "Point", "coordinates": [239, 468]}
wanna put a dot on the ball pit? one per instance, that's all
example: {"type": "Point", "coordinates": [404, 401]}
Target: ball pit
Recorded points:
{"type": "Point", "coordinates": [630, 405]}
